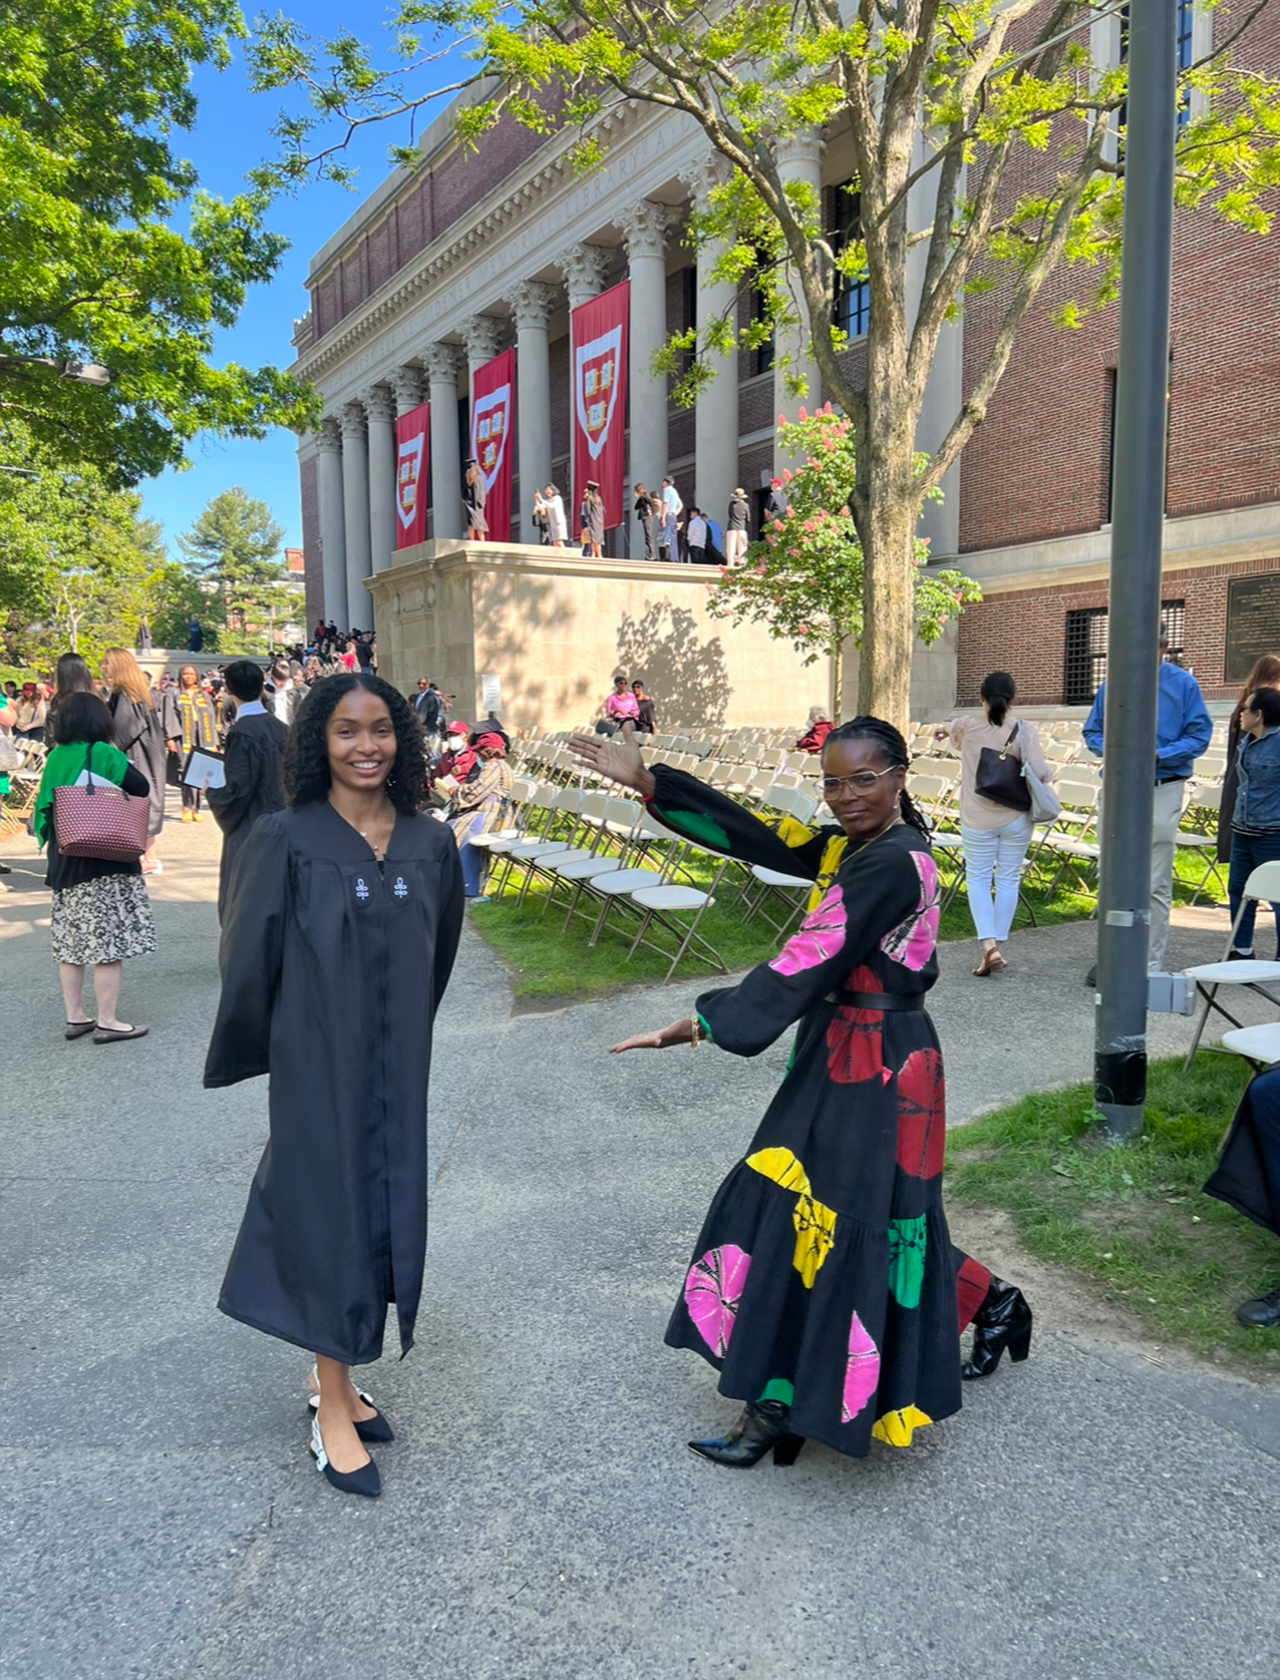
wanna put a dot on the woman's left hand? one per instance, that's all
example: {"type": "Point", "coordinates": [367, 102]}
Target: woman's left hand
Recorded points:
{"type": "Point", "coordinates": [679, 1032]}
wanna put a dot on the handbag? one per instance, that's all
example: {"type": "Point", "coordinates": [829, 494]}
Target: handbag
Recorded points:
{"type": "Point", "coordinates": [1046, 807]}
{"type": "Point", "coordinates": [9, 759]}
{"type": "Point", "coordinates": [99, 820]}
{"type": "Point", "coordinates": [1000, 776]}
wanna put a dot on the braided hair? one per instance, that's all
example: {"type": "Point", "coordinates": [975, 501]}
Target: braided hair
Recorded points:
{"type": "Point", "coordinates": [892, 750]}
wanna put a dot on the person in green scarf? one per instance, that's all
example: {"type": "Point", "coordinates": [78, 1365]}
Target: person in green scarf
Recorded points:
{"type": "Point", "coordinates": [101, 912]}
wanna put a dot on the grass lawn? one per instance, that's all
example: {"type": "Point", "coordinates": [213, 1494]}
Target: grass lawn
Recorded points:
{"type": "Point", "coordinates": [545, 961]}
{"type": "Point", "coordinates": [1132, 1220]}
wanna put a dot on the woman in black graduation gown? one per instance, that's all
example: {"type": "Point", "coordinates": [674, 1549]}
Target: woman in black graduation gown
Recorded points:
{"type": "Point", "coordinates": [824, 1287]}
{"type": "Point", "coordinates": [339, 935]}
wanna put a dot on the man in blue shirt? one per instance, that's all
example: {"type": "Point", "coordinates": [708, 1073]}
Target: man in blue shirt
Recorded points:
{"type": "Point", "coordinates": [1183, 731]}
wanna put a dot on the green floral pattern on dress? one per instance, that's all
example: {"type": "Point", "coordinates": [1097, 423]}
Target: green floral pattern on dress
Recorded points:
{"type": "Point", "coordinates": [906, 1260]}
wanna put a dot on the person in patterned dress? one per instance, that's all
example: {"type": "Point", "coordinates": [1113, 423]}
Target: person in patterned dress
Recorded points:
{"type": "Point", "coordinates": [824, 1286]}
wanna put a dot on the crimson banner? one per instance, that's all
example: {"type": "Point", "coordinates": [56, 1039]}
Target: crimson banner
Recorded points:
{"type": "Point", "coordinates": [598, 332]}
{"type": "Point", "coordinates": [493, 393]}
{"type": "Point", "coordinates": [412, 456]}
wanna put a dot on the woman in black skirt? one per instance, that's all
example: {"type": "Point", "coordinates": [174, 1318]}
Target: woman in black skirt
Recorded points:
{"type": "Point", "coordinates": [342, 919]}
{"type": "Point", "coordinates": [824, 1287]}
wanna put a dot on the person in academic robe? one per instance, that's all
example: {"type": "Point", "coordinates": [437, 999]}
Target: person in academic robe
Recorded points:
{"type": "Point", "coordinates": [341, 925]}
{"type": "Point", "coordinates": [473, 500]}
{"type": "Point", "coordinates": [196, 725]}
{"type": "Point", "coordinates": [1247, 1178]}
{"type": "Point", "coordinates": [144, 723]}
{"type": "Point", "coordinates": [254, 768]}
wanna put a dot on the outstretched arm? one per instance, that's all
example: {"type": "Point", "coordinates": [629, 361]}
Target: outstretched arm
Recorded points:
{"type": "Point", "coordinates": [699, 813]}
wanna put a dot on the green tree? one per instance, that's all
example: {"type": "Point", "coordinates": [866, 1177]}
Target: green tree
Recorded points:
{"type": "Point", "coordinates": [983, 139]}
{"type": "Point", "coordinates": [92, 269]}
{"type": "Point", "coordinates": [235, 547]}
{"type": "Point", "coordinates": [804, 578]}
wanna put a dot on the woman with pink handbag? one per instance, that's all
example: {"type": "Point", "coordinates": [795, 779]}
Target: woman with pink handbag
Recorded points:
{"type": "Point", "coordinates": [101, 912]}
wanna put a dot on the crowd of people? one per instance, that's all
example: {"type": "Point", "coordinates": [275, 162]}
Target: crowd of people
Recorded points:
{"type": "Point", "coordinates": [824, 1287]}
{"type": "Point", "coordinates": [668, 531]}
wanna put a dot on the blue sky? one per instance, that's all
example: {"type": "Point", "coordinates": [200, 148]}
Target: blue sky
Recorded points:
{"type": "Point", "coordinates": [230, 137]}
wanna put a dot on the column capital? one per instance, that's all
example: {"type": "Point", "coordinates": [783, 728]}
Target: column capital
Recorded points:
{"type": "Point", "coordinates": [329, 438]}
{"type": "Point", "coordinates": [406, 382]}
{"type": "Point", "coordinates": [799, 150]}
{"type": "Point", "coordinates": [533, 303]}
{"type": "Point", "coordinates": [584, 271]}
{"type": "Point", "coordinates": [702, 176]}
{"type": "Point", "coordinates": [645, 227]}
{"type": "Point", "coordinates": [352, 420]}
{"type": "Point", "coordinates": [379, 404]}
{"type": "Point", "coordinates": [481, 334]}
{"type": "Point", "coordinates": [444, 362]}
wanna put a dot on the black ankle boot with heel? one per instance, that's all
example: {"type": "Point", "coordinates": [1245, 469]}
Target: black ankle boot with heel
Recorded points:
{"type": "Point", "coordinates": [762, 1426]}
{"type": "Point", "coordinates": [1002, 1321]}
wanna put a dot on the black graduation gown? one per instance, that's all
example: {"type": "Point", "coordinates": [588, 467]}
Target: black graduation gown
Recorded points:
{"type": "Point", "coordinates": [254, 787]}
{"type": "Point", "coordinates": [1247, 1176]}
{"type": "Point", "coordinates": [332, 971]}
{"type": "Point", "coordinates": [140, 736]}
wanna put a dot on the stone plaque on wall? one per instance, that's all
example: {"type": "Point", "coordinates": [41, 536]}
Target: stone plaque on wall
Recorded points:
{"type": "Point", "coordinates": [1253, 623]}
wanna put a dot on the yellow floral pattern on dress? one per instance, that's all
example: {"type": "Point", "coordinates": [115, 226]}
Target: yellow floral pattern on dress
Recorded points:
{"type": "Point", "coordinates": [791, 832]}
{"type": "Point", "coordinates": [895, 1429]}
{"type": "Point", "coordinates": [832, 857]}
{"type": "Point", "coordinates": [815, 1223]}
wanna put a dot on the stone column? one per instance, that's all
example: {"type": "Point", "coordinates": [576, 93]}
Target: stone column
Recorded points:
{"type": "Point", "coordinates": [645, 227]}
{"type": "Point", "coordinates": [482, 335]}
{"type": "Point", "coordinates": [333, 540]}
{"type": "Point", "coordinates": [584, 271]}
{"type": "Point", "coordinates": [380, 407]}
{"type": "Point", "coordinates": [355, 506]}
{"type": "Point", "coordinates": [533, 305]}
{"type": "Point", "coordinates": [406, 382]}
{"type": "Point", "coordinates": [799, 159]}
{"type": "Point", "coordinates": [716, 411]}
{"type": "Point", "coordinates": [444, 364]}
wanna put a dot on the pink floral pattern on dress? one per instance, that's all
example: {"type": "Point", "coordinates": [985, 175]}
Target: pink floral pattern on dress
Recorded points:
{"type": "Point", "coordinates": [913, 941]}
{"type": "Point", "coordinates": [712, 1292]}
{"type": "Point", "coordinates": [818, 938]}
{"type": "Point", "coordinates": [861, 1371]}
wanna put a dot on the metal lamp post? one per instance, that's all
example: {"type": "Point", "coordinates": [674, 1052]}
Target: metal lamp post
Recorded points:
{"type": "Point", "coordinates": [1137, 531]}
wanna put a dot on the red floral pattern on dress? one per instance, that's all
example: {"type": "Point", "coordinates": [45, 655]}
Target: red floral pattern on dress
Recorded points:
{"type": "Point", "coordinates": [922, 1114]}
{"type": "Point", "coordinates": [972, 1282]}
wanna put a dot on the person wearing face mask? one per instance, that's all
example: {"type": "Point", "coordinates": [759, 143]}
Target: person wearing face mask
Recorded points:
{"type": "Point", "coordinates": [339, 934]}
{"type": "Point", "coordinates": [824, 1287]}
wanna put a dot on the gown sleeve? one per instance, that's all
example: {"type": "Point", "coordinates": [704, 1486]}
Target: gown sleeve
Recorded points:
{"type": "Point", "coordinates": [871, 897]}
{"type": "Point", "coordinates": [230, 803]}
{"type": "Point", "coordinates": [711, 819]}
{"type": "Point", "coordinates": [449, 927]}
{"type": "Point", "coordinates": [250, 958]}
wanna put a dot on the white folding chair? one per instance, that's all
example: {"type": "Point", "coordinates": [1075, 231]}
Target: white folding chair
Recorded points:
{"type": "Point", "coordinates": [1259, 1045]}
{"type": "Point", "coordinates": [1249, 972]}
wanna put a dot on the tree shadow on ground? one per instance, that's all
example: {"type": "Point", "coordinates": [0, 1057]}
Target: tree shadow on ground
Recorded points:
{"type": "Point", "coordinates": [687, 677]}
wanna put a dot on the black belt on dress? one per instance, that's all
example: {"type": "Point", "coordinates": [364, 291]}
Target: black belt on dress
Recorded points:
{"type": "Point", "coordinates": [876, 1000]}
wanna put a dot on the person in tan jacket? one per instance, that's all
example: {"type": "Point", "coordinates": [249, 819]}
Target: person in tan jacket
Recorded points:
{"type": "Point", "coordinates": [995, 837]}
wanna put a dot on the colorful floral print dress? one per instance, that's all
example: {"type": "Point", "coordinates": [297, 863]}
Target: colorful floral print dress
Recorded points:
{"type": "Point", "coordinates": [824, 1276]}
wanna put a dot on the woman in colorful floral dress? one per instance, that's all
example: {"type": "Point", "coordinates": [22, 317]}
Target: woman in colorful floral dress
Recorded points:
{"type": "Point", "coordinates": [824, 1286]}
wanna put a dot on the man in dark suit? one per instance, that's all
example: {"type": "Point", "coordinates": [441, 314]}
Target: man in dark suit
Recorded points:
{"type": "Point", "coordinates": [254, 768]}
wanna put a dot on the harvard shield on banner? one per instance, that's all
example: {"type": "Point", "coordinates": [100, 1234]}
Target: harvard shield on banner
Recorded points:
{"type": "Point", "coordinates": [411, 476]}
{"type": "Point", "coordinates": [492, 415]}
{"type": "Point", "coordinates": [599, 371]}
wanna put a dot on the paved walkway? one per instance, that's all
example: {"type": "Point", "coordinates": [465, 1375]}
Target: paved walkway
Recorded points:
{"type": "Point", "coordinates": [1089, 1516]}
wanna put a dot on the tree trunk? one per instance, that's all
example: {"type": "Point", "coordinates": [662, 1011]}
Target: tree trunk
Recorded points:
{"type": "Point", "coordinates": [888, 583]}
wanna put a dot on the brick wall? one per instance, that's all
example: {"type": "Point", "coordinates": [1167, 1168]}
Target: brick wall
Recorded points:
{"type": "Point", "coordinates": [1038, 466]}
{"type": "Point", "coordinates": [312, 547]}
{"type": "Point", "coordinates": [1024, 632]}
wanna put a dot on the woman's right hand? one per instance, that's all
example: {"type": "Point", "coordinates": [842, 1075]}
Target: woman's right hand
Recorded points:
{"type": "Point", "coordinates": [616, 757]}
{"type": "Point", "coordinates": [679, 1032]}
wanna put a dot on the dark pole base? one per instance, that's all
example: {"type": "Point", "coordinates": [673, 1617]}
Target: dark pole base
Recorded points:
{"type": "Point", "coordinates": [1121, 1122]}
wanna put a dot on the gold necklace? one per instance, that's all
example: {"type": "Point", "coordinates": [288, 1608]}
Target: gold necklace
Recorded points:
{"type": "Point", "coordinates": [896, 823]}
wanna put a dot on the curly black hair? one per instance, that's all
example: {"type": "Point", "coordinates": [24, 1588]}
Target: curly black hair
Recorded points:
{"type": "Point", "coordinates": [892, 750]}
{"type": "Point", "coordinates": [306, 757]}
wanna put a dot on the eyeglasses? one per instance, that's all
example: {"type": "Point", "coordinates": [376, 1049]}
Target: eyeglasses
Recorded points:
{"type": "Point", "coordinates": [862, 781]}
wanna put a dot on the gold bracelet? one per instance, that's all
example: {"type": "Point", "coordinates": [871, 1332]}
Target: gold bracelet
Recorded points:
{"type": "Point", "coordinates": [695, 1032]}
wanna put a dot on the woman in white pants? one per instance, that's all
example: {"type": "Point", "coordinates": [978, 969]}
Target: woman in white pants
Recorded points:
{"type": "Point", "coordinates": [995, 836]}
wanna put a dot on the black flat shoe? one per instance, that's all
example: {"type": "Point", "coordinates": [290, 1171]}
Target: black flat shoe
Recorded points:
{"type": "Point", "coordinates": [77, 1029]}
{"type": "Point", "coordinates": [375, 1428]}
{"type": "Point", "coordinates": [1002, 1321]}
{"type": "Point", "coordinates": [365, 1481]}
{"type": "Point", "coordinates": [1262, 1313]}
{"type": "Point", "coordinates": [763, 1425]}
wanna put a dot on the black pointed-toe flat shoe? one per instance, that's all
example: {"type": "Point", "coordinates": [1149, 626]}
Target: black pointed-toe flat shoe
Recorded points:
{"type": "Point", "coordinates": [375, 1428]}
{"type": "Point", "coordinates": [762, 1427]}
{"type": "Point", "coordinates": [1002, 1321]}
{"type": "Point", "coordinates": [365, 1481]}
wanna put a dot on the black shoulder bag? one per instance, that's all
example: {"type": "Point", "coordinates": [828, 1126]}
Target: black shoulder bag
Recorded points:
{"type": "Point", "coordinates": [1000, 776]}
